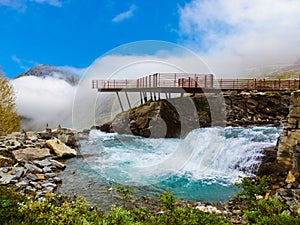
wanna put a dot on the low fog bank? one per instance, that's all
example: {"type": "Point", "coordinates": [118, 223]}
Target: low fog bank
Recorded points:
{"type": "Point", "coordinates": [42, 101]}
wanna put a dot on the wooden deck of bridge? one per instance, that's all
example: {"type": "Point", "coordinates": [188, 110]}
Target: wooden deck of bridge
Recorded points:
{"type": "Point", "coordinates": [168, 83]}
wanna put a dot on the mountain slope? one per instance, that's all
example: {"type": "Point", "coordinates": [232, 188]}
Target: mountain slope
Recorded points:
{"type": "Point", "coordinates": [44, 70]}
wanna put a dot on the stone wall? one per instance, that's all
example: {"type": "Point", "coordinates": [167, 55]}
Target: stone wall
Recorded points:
{"type": "Point", "coordinates": [288, 155]}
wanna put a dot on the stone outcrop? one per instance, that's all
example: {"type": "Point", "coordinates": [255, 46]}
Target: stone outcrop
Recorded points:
{"type": "Point", "coordinates": [288, 155]}
{"type": "Point", "coordinates": [176, 117]}
{"type": "Point", "coordinates": [60, 149]}
{"type": "Point", "coordinates": [153, 119]}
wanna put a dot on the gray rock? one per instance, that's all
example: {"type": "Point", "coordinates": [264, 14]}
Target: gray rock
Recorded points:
{"type": "Point", "coordinates": [42, 163]}
{"type": "Point", "coordinates": [5, 169]}
{"type": "Point", "coordinates": [33, 183]}
{"type": "Point", "coordinates": [6, 178]}
{"type": "Point", "coordinates": [57, 180]}
{"type": "Point", "coordinates": [19, 172]}
{"type": "Point", "coordinates": [22, 183]}
{"type": "Point", "coordinates": [13, 144]}
{"type": "Point", "coordinates": [30, 190]}
{"type": "Point", "coordinates": [49, 184]}
{"type": "Point", "coordinates": [40, 194]}
{"type": "Point", "coordinates": [32, 177]}
{"type": "Point", "coordinates": [49, 189]}
{"type": "Point", "coordinates": [47, 169]}
{"type": "Point", "coordinates": [33, 168]}
{"type": "Point", "coordinates": [68, 139]}
{"type": "Point", "coordinates": [33, 138]}
{"type": "Point", "coordinates": [14, 181]}
{"type": "Point", "coordinates": [57, 164]}
{"type": "Point", "coordinates": [50, 175]}
{"type": "Point", "coordinates": [28, 154]}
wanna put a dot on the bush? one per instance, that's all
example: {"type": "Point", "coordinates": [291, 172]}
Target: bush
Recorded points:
{"type": "Point", "coordinates": [9, 119]}
{"type": "Point", "coordinates": [264, 211]}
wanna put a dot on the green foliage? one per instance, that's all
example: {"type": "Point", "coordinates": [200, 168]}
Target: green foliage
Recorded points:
{"type": "Point", "coordinates": [9, 119]}
{"type": "Point", "coordinates": [16, 209]}
{"type": "Point", "coordinates": [251, 188]}
{"type": "Point", "coordinates": [125, 194]}
{"type": "Point", "coordinates": [272, 212]}
{"type": "Point", "coordinates": [168, 201]}
{"type": "Point", "coordinates": [56, 209]}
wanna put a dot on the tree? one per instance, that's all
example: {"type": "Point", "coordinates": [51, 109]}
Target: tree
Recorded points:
{"type": "Point", "coordinates": [9, 119]}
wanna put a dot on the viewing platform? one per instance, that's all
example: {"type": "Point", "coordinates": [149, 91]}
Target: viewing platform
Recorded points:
{"type": "Point", "coordinates": [167, 83]}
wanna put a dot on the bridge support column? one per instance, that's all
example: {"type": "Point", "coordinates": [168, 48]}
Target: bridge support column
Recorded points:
{"type": "Point", "coordinates": [120, 101]}
{"type": "Point", "coordinates": [141, 97]}
{"type": "Point", "coordinates": [128, 99]}
{"type": "Point", "coordinates": [145, 97]}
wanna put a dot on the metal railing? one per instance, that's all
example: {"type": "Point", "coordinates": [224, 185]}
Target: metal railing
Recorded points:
{"type": "Point", "coordinates": [207, 81]}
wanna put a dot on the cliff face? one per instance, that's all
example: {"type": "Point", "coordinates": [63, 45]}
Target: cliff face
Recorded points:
{"type": "Point", "coordinates": [176, 117]}
{"type": "Point", "coordinates": [288, 155]}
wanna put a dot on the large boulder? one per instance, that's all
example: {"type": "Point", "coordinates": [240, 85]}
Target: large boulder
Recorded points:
{"type": "Point", "coordinates": [60, 149]}
{"type": "Point", "coordinates": [154, 119]}
{"type": "Point", "coordinates": [28, 154]}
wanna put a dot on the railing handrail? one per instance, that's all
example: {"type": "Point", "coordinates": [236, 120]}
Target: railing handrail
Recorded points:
{"type": "Point", "coordinates": [187, 80]}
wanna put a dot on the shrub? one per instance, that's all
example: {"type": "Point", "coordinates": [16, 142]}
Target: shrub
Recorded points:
{"type": "Point", "coordinates": [9, 119]}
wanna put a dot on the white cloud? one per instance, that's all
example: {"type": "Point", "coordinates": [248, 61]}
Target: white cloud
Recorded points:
{"type": "Point", "coordinates": [125, 15]}
{"type": "Point", "coordinates": [233, 36]}
{"type": "Point", "coordinates": [15, 4]}
{"type": "Point", "coordinates": [23, 63]}
{"type": "Point", "coordinates": [44, 100]}
{"type": "Point", "coordinates": [21, 5]}
{"type": "Point", "coordinates": [55, 3]}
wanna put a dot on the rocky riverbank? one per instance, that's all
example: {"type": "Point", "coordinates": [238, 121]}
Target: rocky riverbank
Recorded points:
{"type": "Point", "coordinates": [30, 161]}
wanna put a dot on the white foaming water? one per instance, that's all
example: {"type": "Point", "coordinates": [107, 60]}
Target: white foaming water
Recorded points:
{"type": "Point", "coordinates": [206, 155]}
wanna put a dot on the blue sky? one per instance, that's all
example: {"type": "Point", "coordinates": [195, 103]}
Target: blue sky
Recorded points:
{"type": "Point", "coordinates": [231, 36]}
{"type": "Point", "coordinates": [75, 33]}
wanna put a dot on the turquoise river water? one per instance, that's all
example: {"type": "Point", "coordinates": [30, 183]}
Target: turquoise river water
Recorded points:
{"type": "Point", "coordinates": [201, 167]}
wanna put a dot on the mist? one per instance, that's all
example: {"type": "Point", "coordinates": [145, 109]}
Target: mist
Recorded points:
{"type": "Point", "coordinates": [42, 101]}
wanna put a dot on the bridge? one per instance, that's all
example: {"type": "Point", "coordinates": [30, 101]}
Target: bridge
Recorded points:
{"type": "Point", "coordinates": [167, 83]}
